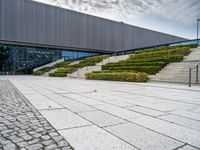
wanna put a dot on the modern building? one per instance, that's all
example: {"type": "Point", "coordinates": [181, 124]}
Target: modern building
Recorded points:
{"type": "Point", "coordinates": [33, 34]}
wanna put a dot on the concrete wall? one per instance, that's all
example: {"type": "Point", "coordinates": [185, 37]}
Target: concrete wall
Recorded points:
{"type": "Point", "coordinates": [36, 23]}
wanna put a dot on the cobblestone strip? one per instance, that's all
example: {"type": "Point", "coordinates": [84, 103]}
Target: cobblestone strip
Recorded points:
{"type": "Point", "coordinates": [22, 126]}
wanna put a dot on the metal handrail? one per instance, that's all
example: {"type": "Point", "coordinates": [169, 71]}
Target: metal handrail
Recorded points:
{"type": "Point", "coordinates": [197, 73]}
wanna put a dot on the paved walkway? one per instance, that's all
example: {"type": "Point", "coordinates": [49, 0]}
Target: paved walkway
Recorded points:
{"type": "Point", "coordinates": [104, 115]}
{"type": "Point", "coordinates": [23, 127]}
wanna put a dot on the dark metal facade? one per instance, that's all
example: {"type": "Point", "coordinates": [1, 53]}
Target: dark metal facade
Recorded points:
{"type": "Point", "coordinates": [34, 23]}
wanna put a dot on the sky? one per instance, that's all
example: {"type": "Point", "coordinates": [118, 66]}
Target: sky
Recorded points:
{"type": "Point", "coordinates": [176, 17]}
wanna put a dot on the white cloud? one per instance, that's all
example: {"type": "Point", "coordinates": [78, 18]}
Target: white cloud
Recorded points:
{"type": "Point", "coordinates": [184, 11]}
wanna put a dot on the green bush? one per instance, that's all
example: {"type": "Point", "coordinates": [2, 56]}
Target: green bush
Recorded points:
{"type": "Point", "coordinates": [165, 48]}
{"type": "Point", "coordinates": [90, 61]}
{"type": "Point", "coordinates": [115, 71]}
{"type": "Point", "coordinates": [149, 62]}
{"type": "Point", "coordinates": [119, 64]}
{"type": "Point", "coordinates": [131, 77]}
{"type": "Point", "coordinates": [57, 74]}
{"type": "Point", "coordinates": [168, 59]}
{"type": "Point", "coordinates": [42, 71]}
{"type": "Point", "coordinates": [62, 64]}
{"type": "Point", "coordinates": [38, 73]}
{"type": "Point", "coordinates": [65, 70]}
{"type": "Point", "coordinates": [178, 51]}
{"type": "Point", "coordinates": [147, 69]}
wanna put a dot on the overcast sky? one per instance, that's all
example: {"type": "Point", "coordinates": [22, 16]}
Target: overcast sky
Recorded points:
{"type": "Point", "coordinates": [177, 17]}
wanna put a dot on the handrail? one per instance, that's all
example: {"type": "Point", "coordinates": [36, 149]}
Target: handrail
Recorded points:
{"type": "Point", "coordinates": [196, 66]}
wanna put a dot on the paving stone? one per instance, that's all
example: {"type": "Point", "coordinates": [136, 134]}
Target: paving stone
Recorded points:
{"type": "Point", "coordinates": [41, 102]}
{"type": "Point", "coordinates": [73, 105]}
{"type": "Point", "coordinates": [27, 137]}
{"type": "Point", "coordinates": [94, 138]}
{"type": "Point", "coordinates": [102, 119]}
{"type": "Point", "coordinates": [46, 137]}
{"type": "Point", "coordinates": [49, 142]}
{"type": "Point", "coordinates": [117, 111]}
{"type": "Point", "coordinates": [21, 124]}
{"type": "Point", "coordinates": [193, 124]}
{"type": "Point", "coordinates": [146, 111]}
{"type": "Point", "coordinates": [63, 118]}
{"type": "Point", "coordinates": [196, 110]}
{"type": "Point", "coordinates": [143, 138]}
{"type": "Point", "coordinates": [187, 147]}
{"type": "Point", "coordinates": [62, 144]}
{"type": "Point", "coordinates": [188, 114]}
{"type": "Point", "coordinates": [51, 147]}
{"type": "Point", "coordinates": [88, 101]}
{"type": "Point", "coordinates": [10, 146]}
{"type": "Point", "coordinates": [35, 146]}
{"type": "Point", "coordinates": [168, 98]}
{"type": "Point", "coordinates": [178, 132]}
{"type": "Point", "coordinates": [22, 144]}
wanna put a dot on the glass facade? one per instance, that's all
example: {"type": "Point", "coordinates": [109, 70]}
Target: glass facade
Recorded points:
{"type": "Point", "coordinates": [22, 60]}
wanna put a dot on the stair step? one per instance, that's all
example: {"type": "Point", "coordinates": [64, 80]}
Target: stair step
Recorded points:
{"type": "Point", "coordinates": [179, 72]}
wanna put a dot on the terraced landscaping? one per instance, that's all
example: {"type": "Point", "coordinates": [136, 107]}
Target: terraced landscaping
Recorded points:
{"type": "Point", "coordinates": [142, 63]}
{"type": "Point", "coordinates": [64, 68]}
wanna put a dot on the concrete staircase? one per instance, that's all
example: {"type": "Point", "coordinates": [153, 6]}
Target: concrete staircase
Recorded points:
{"type": "Point", "coordinates": [80, 73]}
{"type": "Point", "coordinates": [179, 72]}
{"type": "Point", "coordinates": [53, 70]}
{"type": "Point", "coordinates": [48, 65]}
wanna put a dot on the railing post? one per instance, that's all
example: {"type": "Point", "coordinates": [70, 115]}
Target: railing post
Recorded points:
{"type": "Point", "coordinates": [190, 77]}
{"type": "Point", "coordinates": [197, 74]}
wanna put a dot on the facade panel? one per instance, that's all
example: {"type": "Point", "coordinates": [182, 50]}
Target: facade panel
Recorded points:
{"type": "Point", "coordinates": [39, 23]}
{"type": "Point", "coordinates": [1, 19]}
{"type": "Point", "coordinates": [29, 21]}
{"type": "Point", "coordinates": [32, 22]}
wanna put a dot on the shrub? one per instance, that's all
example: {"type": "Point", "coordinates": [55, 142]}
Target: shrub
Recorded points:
{"type": "Point", "coordinates": [46, 69]}
{"type": "Point", "coordinates": [131, 77]}
{"type": "Point", "coordinates": [119, 64]}
{"type": "Point", "coordinates": [57, 74]}
{"type": "Point", "coordinates": [90, 61]}
{"type": "Point", "coordinates": [62, 64]}
{"type": "Point", "coordinates": [167, 59]}
{"type": "Point", "coordinates": [179, 51]}
{"type": "Point", "coordinates": [41, 71]}
{"type": "Point", "coordinates": [166, 48]}
{"type": "Point", "coordinates": [66, 70]}
{"type": "Point", "coordinates": [147, 69]}
{"type": "Point", "coordinates": [38, 73]}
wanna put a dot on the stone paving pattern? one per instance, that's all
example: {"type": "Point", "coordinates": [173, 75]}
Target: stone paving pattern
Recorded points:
{"type": "Point", "coordinates": [22, 126]}
{"type": "Point", "coordinates": [106, 115]}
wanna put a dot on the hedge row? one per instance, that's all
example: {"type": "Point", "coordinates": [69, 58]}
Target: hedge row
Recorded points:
{"type": "Point", "coordinates": [114, 71]}
{"type": "Point", "coordinates": [38, 73]}
{"type": "Point", "coordinates": [47, 69]}
{"type": "Point", "coordinates": [119, 64]}
{"type": "Point", "coordinates": [166, 48]}
{"type": "Point", "coordinates": [62, 64]}
{"type": "Point", "coordinates": [90, 61]}
{"type": "Point", "coordinates": [147, 69]}
{"type": "Point", "coordinates": [177, 51]}
{"type": "Point", "coordinates": [168, 59]}
{"type": "Point", "coordinates": [62, 72]}
{"type": "Point", "coordinates": [131, 77]}
{"type": "Point", "coordinates": [57, 74]}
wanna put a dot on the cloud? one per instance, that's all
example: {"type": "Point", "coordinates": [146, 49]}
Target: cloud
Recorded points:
{"type": "Point", "coordinates": [183, 11]}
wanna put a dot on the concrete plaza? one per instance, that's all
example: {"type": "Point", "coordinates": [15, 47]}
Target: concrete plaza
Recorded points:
{"type": "Point", "coordinates": [106, 115]}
